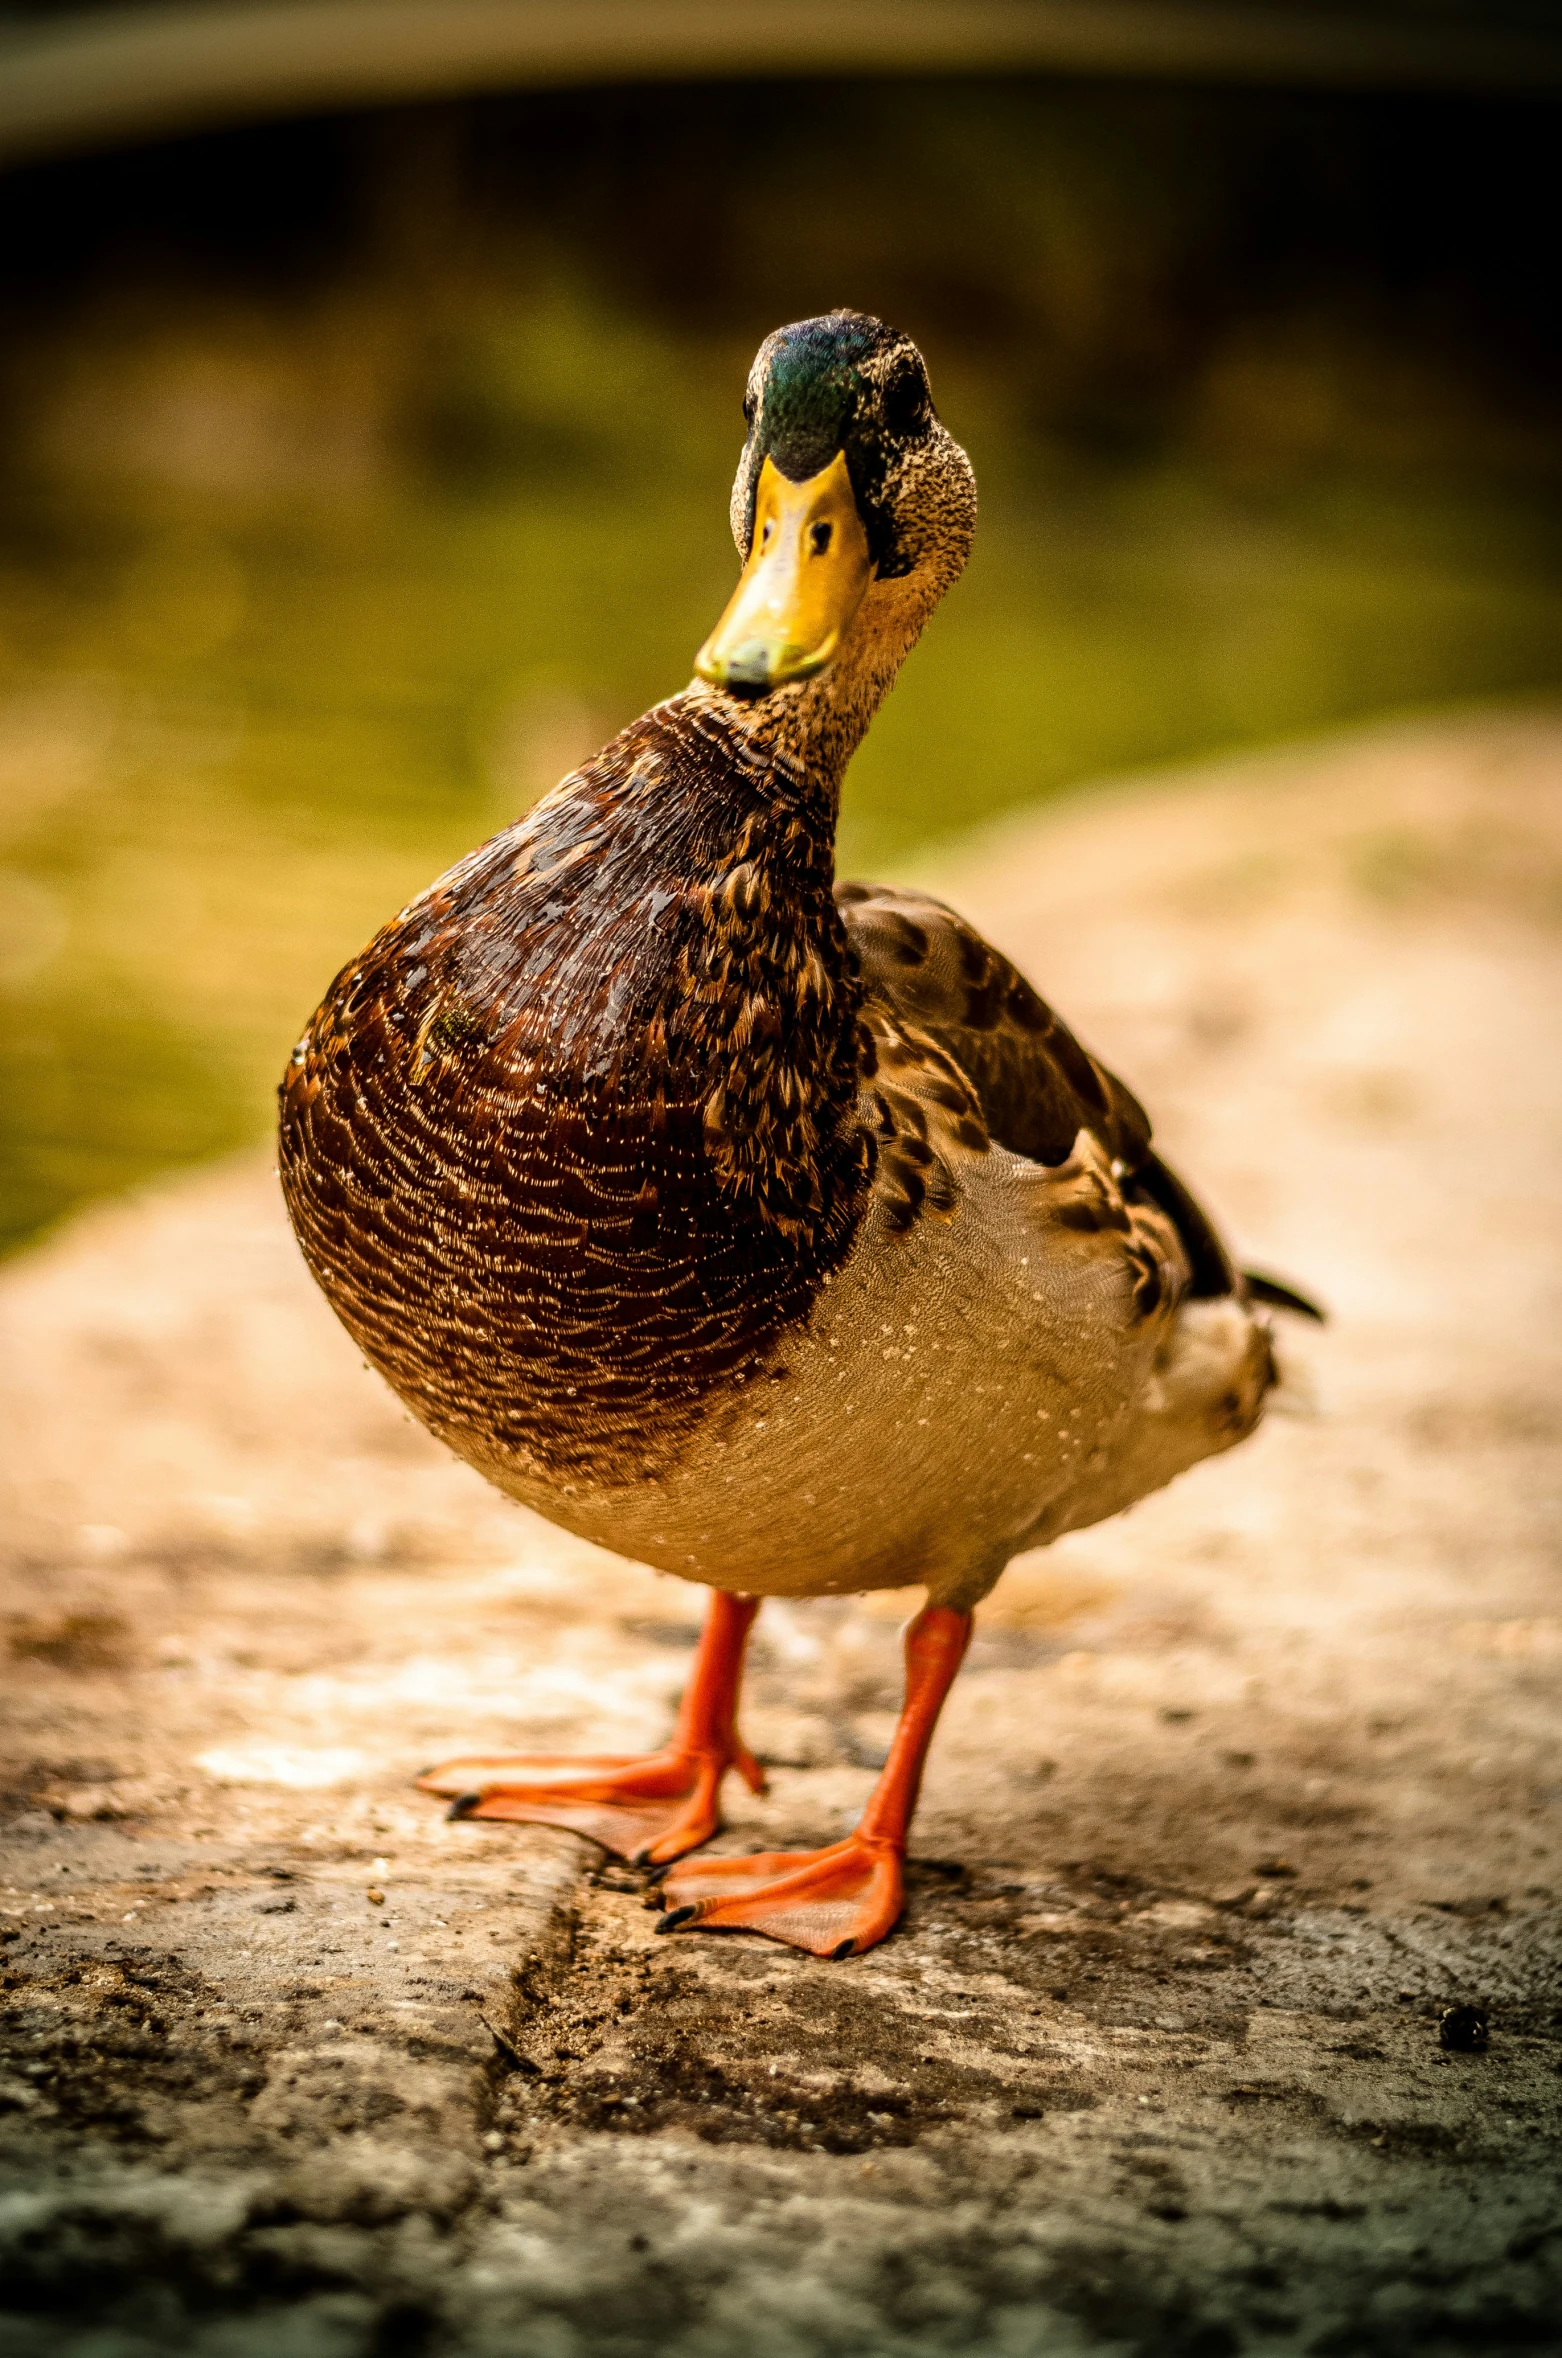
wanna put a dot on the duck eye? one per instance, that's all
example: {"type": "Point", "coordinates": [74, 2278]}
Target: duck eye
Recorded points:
{"type": "Point", "coordinates": [907, 403]}
{"type": "Point", "coordinates": [819, 537]}
{"type": "Point", "coordinates": [749, 407]}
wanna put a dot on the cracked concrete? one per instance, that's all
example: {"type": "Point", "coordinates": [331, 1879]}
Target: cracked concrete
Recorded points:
{"type": "Point", "coordinates": [1234, 1797]}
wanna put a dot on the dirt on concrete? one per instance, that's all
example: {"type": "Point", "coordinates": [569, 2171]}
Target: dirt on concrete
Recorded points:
{"type": "Point", "coordinates": [1235, 1798]}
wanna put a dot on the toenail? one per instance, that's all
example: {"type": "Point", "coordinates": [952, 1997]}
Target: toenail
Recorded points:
{"type": "Point", "coordinates": [841, 1949]}
{"type": "Point", "coordinates": [463, 1805]}
{"type": "Point", "coordinates": [676, 1916]}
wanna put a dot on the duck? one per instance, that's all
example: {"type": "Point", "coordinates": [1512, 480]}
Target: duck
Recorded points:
{"type": "Point", "coordinates": [767, 1229]}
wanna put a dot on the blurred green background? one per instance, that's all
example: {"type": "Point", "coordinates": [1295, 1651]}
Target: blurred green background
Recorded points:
{"type": "Point", "coordinates": [360, 475]}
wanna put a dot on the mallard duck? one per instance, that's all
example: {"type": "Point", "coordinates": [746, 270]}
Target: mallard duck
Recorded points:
{"type": "Point", "coordinates": [769, 1230]}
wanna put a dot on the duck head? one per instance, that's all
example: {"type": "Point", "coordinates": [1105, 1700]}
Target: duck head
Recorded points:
{"type": "Point", "coordinates": [853, 511]}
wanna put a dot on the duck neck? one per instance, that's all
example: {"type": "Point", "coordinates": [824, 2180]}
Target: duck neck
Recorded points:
{"type": "Point", "coordinates": [801, 737]}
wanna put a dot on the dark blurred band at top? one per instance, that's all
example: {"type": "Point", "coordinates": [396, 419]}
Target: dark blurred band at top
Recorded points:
{"type": "Point", "coordinates": [76, 77]}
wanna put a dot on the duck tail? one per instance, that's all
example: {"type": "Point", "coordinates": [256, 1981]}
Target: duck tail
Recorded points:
{"type": "Point", "coordinates": [1270, 1291]}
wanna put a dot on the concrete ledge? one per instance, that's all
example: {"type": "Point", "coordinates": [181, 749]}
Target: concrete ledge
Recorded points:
{"type": "Point", "coordinates": [1235, 1795]}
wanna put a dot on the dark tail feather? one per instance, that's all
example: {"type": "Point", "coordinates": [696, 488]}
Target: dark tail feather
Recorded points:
{"type": "Point", "coordinates": [1209, 1264]}
{"type": "Point", "coordinates": [1208, 1260]}
{"type": "Point", "coordinates": [1280, 1297]}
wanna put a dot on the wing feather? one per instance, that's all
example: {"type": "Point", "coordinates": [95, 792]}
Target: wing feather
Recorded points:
{"type": "Point", "coordinates": [1036, 1085]}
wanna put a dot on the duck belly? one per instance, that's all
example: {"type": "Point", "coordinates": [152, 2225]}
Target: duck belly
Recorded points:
{"type": "Point", "coordinates": [958, 1392]}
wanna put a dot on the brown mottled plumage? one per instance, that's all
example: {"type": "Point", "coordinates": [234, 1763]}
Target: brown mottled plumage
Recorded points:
{"type": "Point", "coordinates": [572, 1141]}
{"type": "Point", "coordinates": [624, 1148]}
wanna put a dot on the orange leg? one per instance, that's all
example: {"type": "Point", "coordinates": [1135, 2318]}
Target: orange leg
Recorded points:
{"type": "Point", "coordinates": [845, 1898]}
{"type": "Point", "coordinates": [652, 1809]}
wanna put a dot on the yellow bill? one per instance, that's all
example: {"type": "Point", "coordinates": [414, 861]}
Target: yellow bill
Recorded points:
{"type": "Point", "coordinates": [806, 576]}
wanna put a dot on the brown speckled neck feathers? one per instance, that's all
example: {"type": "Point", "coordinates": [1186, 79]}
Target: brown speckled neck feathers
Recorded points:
{"type": "Point", "coordinates": [574, 1139]}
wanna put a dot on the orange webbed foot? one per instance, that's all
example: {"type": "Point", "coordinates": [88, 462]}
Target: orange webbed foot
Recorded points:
{"type": "Point", "coordinates": [834, 1902]}
{"type": "Point", "coordinates": [651, 1810]}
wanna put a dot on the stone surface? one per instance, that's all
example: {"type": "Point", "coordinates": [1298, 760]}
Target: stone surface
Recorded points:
{"type": "Point", "coordinates": [1235, 1796]}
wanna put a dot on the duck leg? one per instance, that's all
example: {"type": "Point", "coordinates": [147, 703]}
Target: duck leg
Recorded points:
{"type": "Point", "coordinates": [847, 1897]}
{"type": "Point", "coordinates": [654, 1808]}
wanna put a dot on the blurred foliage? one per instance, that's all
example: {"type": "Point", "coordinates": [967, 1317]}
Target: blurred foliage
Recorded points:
{"type": "Point", "coordinates": [363, 477]}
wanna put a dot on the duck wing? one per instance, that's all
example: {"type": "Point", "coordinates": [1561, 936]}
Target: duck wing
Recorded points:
{"type": "Point", "coordinates": [931, 973]}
